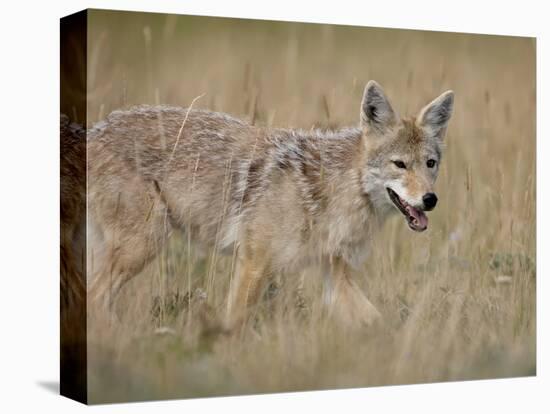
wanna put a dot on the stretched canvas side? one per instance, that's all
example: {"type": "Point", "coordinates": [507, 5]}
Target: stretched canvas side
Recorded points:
{"type": "Point", "coordinates": [73, 60]}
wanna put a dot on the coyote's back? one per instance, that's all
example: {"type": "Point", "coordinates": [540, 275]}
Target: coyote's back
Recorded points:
{"type": "Point", "coordinates": [178, 162]}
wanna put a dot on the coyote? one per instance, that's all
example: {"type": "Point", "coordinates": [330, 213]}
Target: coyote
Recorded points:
{"type": "Point", "coordinates": [282, 198]}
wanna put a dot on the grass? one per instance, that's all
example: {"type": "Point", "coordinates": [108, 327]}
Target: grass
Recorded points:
{"type": "Point", "coordinates": [458, 301]}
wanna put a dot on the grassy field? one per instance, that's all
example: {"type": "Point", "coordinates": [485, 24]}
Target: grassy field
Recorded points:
{"type": "Point", "coordinates": [458, 301]}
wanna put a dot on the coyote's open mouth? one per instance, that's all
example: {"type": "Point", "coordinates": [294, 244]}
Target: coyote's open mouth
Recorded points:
{"type": "Point", "coordinates": [416, 219]}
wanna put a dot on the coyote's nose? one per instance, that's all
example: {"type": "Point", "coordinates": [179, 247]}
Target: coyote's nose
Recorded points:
{"type": "Point", "coordinates": [430, 200]}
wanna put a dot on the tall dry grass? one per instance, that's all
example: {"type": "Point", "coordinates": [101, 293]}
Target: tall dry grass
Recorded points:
{"type": "Point", "coordinates": [458, 301]}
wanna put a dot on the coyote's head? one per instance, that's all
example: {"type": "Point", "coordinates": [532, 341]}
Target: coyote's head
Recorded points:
{"type": "Point", "coordinates": [401, 157]}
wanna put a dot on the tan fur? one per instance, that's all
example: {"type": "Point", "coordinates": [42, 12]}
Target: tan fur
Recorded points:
{"type": "Point", "coordinates": [281, 199]}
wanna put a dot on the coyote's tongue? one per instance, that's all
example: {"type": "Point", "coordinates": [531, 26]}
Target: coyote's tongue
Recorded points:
{"type": "Point", "coordinates": [417, 219]}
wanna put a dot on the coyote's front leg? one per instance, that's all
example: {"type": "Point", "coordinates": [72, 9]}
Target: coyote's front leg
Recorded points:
{"type": "Point", "coordinates": [246, 286]}
{"type": "Point", "coordinates": [345, 299]}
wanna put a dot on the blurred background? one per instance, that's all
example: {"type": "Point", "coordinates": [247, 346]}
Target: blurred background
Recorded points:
{"type": "Point", "coordinates": [458, 300]}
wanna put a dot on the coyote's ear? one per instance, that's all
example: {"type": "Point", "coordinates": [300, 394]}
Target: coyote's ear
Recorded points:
{"type": "Point", "coordinates": [436, 115]}
{"type": "Point", "coordinates": [376, 111]}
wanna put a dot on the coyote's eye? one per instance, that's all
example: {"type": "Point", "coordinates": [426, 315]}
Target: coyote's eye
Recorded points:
{"type": "Point", "coordinates": [430, 163]}
{"type": "Point", "coordinates": [399, 164]}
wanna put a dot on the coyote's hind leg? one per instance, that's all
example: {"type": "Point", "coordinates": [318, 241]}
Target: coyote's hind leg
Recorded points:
{"type": "Point", "coordinates": [126, 239]}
